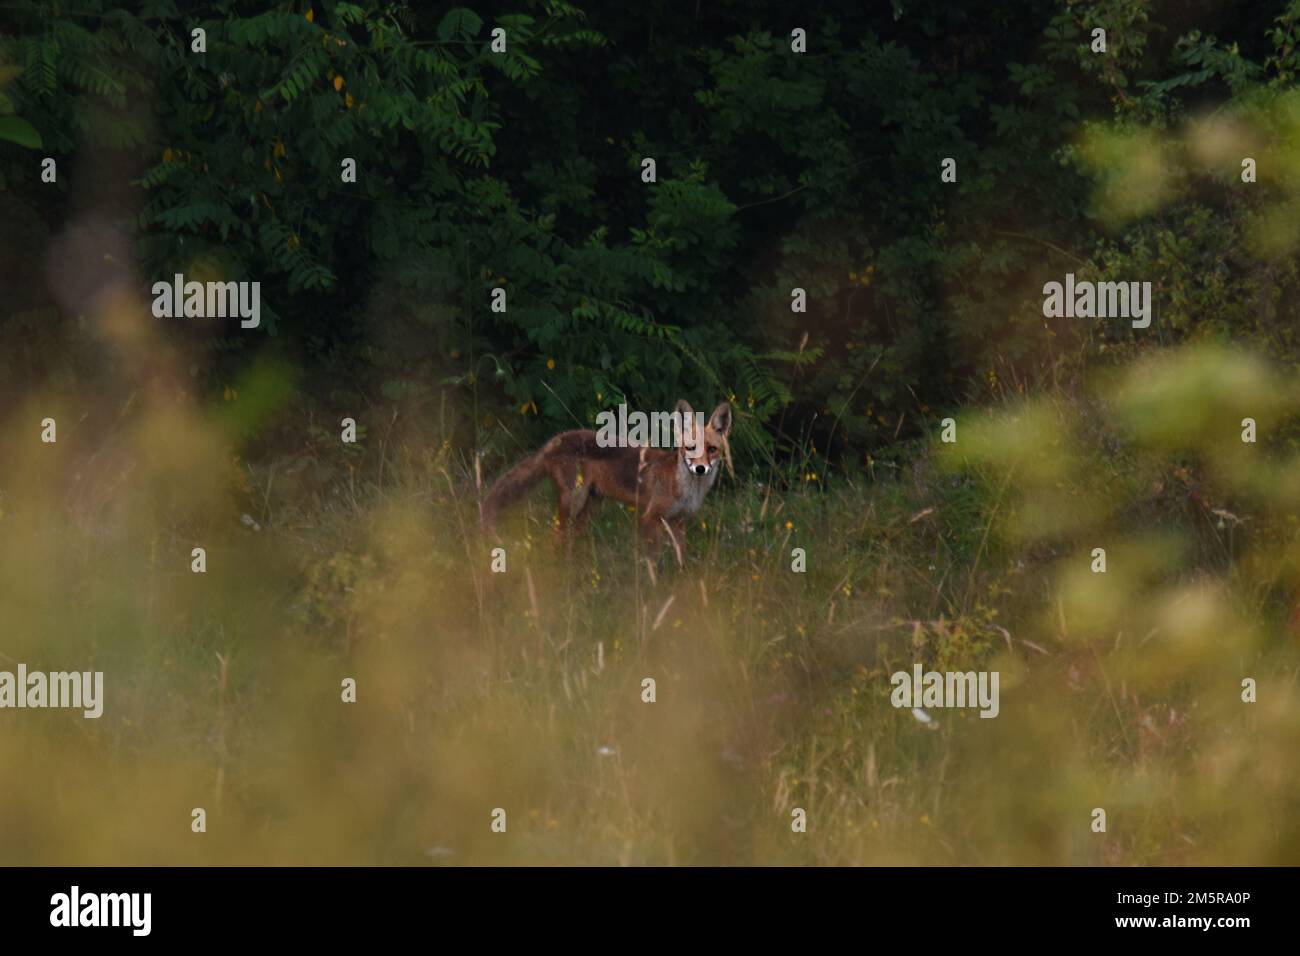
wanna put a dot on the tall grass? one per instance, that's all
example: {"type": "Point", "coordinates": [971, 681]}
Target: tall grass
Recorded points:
{"type": "Point", "coordinates": [523, 690]}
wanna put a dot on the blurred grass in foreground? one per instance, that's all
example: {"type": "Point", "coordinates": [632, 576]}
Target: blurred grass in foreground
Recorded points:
{"type": "Point", "coordinates": [523, 690]}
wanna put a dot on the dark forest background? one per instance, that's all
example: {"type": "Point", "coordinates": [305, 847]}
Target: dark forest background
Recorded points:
{"type": "Point", "coordinates": [775, 170]}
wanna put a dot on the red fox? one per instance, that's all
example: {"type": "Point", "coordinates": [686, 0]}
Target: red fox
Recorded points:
{"type": "Point", "coordinates": [665, 485]}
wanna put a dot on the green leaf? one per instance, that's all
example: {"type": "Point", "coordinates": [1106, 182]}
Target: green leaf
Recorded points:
{"type": "Point", "coordinates": [459, 21]}
{"type": "Point", "coordinates": [19, 131]}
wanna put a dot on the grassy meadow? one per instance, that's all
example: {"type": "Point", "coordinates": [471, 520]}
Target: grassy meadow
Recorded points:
{"type": "Point", "coordinates": [523, 690]}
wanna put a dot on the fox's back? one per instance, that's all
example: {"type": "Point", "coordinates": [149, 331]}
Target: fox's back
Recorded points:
{"type": "Point", "coordinates": [623, 473]}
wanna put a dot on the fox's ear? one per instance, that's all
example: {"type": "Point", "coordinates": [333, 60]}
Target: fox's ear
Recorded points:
{"type": "Point", "coordinates": [720, 420]}
{"type": "Point", "coordinates": [684, 408]}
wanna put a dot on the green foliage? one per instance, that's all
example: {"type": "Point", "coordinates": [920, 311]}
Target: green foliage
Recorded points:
{"type": "Point", "coordinates": [776, 171]}
{"type": "Point", "coordinates": [15, 129]}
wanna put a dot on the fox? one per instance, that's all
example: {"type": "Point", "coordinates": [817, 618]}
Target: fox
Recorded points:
{"type": "Point", "coordinates": [666, 486]}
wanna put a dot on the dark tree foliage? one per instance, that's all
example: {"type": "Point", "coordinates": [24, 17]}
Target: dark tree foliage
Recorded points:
{"type": "Point", "coordinates": [776, 170]}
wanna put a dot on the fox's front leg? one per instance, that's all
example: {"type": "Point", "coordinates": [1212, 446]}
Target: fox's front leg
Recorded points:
{"type": "Point", "coordinates": [650, 522]}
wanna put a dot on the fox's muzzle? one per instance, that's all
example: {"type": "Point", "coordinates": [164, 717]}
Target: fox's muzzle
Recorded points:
{"type": "Point", "coordinates": [700, 469]}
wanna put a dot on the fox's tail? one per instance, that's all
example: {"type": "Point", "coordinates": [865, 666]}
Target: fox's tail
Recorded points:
{"type": "Point", "coordinates": [512, 486]}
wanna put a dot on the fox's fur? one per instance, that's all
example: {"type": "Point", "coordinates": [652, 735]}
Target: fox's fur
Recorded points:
{"type": "Point", "coordinates": [665, 485]}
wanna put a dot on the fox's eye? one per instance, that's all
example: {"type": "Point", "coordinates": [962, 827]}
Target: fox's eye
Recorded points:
{"type": "Point", "coordinates": [712, 449]}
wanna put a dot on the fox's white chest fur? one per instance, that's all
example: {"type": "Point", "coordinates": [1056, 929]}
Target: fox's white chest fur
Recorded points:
{"type": "Point", "coordinates": [692, 490]}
